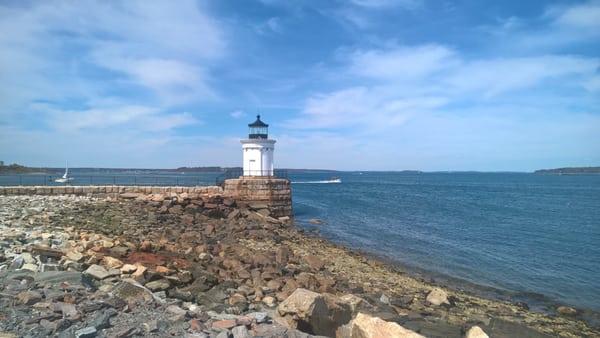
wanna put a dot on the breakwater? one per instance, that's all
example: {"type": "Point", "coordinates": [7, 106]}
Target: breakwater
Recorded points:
{"type": "Point", "coordinates": [270, 197]}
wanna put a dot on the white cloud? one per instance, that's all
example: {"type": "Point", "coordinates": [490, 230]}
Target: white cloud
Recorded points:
{"type": "Point", "coordinates": [118, 117]}
{"type": "Point", "coordinates": [560, 26]}
{"type": "Point", "coordinates": [494, 76]}
{"type": "Point", "coordinates": [402, 62]}
{"type": "Point", "coordinates": [382, 4]}
{"type": "Point", "coordinates": [236, 114]}
{"type": "Point", "coordinates": [586, 16]}
{"type": "Point", "coordinates": [369, 109]}
{"type": "Point", "coordinates": [53, 51]}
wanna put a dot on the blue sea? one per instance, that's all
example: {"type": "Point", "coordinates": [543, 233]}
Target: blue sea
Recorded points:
{"type": "Point", "coordinates": [527, 237]}
{"type": "Point", "coordinates": [523, 237]}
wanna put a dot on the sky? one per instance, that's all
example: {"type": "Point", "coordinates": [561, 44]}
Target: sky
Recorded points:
{"type": "Point", "coordinates": [349, 85]}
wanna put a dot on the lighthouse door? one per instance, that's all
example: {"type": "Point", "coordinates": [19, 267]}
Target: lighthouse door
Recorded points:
{"type": "Point", "coordinates": [253, 168]}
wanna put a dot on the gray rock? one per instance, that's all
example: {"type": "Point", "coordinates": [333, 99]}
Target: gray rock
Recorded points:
{"type": "Point", "coordinates": [103, 320]}
{"type": "Point", "coordinates": [240, 332]}
{"type": "Point", "coordinates": [87, 332]}
{"type": "Point", "coordinates": [17, 263]}
{"type": "Point", "coordinates": [223, 334]}
{"type": "Point", "coordinates": [30, 267]}
{"type": "Point", "coordinates": [97, 272]}
{"type": "Point", "coordinates": [259, 317]}
{"type": "Point", "coordinates": [158, 285]}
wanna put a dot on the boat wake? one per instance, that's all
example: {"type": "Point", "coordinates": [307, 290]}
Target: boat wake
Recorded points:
{"type": "Point", "coordinates": [337, 180]}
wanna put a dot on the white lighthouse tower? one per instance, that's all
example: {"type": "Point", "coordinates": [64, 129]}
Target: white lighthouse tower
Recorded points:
{"type": "Point", "coordinates": [258, 150]}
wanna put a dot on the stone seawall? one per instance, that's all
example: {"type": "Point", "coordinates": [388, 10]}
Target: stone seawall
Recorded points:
{"type": "Point", "coordinates": [274, 192]}
{"type": "Point", "coordinates": [107, 190]}
{"type": "Point", "coordinates": [273, 195]}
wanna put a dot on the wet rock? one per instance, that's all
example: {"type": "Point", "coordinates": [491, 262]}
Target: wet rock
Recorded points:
{"type": "Point", "coordinates": [366, 326]}
{"type": "Point", "coordinates": [505, 329]}
{"type": "Point", "coordinates": [97, 272]}
{"type": "Point", "coordinates": [476, 332]}
{"type": "Point", "coordinates": [437, 297]}
{"type": "Point", "coordinates": [566, 311]}
{"type": "Point", "coordinates": [315, 221]}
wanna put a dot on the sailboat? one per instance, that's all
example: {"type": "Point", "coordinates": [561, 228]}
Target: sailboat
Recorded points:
{"type": "Point", "coordinates": [65, 178]}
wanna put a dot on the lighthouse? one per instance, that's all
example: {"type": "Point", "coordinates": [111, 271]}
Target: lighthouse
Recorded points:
{"type": "Point", "coordinates": [258, 150]}
{"type": "Point", "coordinates": [265, 192]}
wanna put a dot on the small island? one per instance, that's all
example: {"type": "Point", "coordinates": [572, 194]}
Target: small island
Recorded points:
{"type": "Point", "coordinates": [569, 171]}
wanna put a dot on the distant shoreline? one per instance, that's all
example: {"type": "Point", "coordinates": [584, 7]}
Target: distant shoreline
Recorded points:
{"type": "Point", "coordinates": [569, 171]}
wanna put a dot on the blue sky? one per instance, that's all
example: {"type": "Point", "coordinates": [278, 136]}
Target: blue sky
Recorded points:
{"type": "Point", "coordinates": [352, 85]}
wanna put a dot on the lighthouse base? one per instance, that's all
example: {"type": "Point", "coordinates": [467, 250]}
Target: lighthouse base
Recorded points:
{"type": "Point", "coordinates": [275, 194]}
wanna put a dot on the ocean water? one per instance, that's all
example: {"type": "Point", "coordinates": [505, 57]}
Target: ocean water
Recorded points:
{"type": "Point", "coordinates": [523, 237]}
{"type": "Point", "coordinates": [533, 238]}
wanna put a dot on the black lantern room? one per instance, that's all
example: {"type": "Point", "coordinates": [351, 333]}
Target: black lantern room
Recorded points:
{"type": "Point", "coordinates": [258, 129]}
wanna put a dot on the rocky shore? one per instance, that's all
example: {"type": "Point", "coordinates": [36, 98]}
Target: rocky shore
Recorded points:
{"type": "Point", "coordinates": [171, 265]}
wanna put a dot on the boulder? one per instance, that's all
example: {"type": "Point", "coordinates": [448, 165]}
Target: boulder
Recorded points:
{"type": "Point", "coordinates": [111, 262]}
{"type": "Point", "coordinates": [314, 313]}
{"type": "Point", "coordinates": [476, 332]}
{"type": "Point", "coordinates": [128, 268]}
{"type": "Point", "coordinates": [365, 326]}
{"type": "Point", "coordinates": [437, 297]}
{"type": "Point", "coordinates": [131, 291]}
{"type": "Point", "coordinates": [566, 311]}
{"type": "Point", "coordinates": [97, 272]}
{"type": "Point", "coordinates": [158, 285]}
{"type": "Point", "coordinates": [240, 332]}
{"type": "Point", "coordinates": [74, 256]}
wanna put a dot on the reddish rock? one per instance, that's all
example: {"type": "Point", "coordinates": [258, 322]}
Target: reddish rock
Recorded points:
{"type": "Point", "coordinates": [224, 324]}
{"type": "Point", "coordinates": [196, 325]}
{"type": "Point", "coordinates": [163, 270]}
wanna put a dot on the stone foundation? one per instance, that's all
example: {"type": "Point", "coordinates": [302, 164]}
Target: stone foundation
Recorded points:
{"type": "Point", "coordinates": [274, 193]}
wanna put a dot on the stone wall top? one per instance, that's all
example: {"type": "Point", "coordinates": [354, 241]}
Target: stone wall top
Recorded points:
{"type": "Point", "coordinates": [107, 189]}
